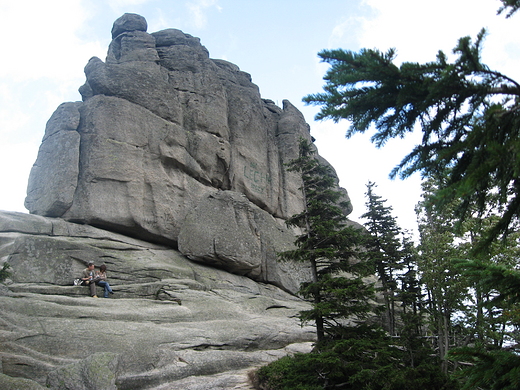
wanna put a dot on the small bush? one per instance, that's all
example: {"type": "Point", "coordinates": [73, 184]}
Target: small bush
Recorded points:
{"type": "Point", "coordinates": [4, 273]}
{"type": "Point", "coordinates": [353, 364]}
{"type": "Point", "coordinates": [296, 372]}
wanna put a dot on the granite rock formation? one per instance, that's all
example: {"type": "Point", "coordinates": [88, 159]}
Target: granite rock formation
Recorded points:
{"type": "Point", "coordinates": [171, 324]}
{"type": "Point", "coordinates": [161, 128]}
{"type": "Point", "coordinates": [171, 172]}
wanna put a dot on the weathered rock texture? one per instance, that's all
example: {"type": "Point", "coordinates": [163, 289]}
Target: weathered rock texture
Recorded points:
{"type": "Point", "coordinates": [171, 324]}
{"type": "Point", "coordinates": [163, 128]}
{"type": "Point", "coordinates": [170, 171]}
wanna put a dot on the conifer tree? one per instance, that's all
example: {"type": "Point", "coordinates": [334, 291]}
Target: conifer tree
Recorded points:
{"type": "Point", "coordinates": [383, 250]}
{"type": "Point", "coordinates": [446, 289]}
{"type": "Point", "coordinates": [350, 354]}
{"type": "Point", "coordinates": [468, 113]}
{"type": "Point", "coordinates": [411, 298]}
{"type": "Point", "coordinates": [330, 245]}
{"type": "Point", "coordinates": [487, 366]}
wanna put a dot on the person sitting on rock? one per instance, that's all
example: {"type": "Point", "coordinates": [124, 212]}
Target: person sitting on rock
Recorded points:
{"type": "Point", "coordinates": [88, 276]}
{"type": "Point", "coordinates": [101, 280]}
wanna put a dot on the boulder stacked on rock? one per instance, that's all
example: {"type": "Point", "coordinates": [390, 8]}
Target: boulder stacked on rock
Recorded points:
{"type": "Point", "coordinates": [163, 128]}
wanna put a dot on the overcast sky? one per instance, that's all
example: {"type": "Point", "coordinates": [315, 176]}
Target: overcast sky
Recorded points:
{"type": "Point", "coordinates": [46, 44]}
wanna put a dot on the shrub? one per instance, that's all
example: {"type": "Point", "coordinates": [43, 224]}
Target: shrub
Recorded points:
{"type": "Point", "coordinates": [4, 273]}
{"type": "Point", "coordinates": [368, 363]}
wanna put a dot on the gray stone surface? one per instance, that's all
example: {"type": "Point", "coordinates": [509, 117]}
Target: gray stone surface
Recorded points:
{"type": "Point", "coordinates": [172, 323]}
{"type": "Point", "coordinates": [96, 372]}
{"type": "Point", "coordinates": [161, 126]}
{"type": "Point", "coordinates": [171, 171]}
{"type": "Point", "coordinates": [54, 176]}
{"type": "Point", "coordinates": [227, 231]}
{"type": "Point", "coordinates": [129, 22]}
{"type": "Point", "coordinates": [10, 383]}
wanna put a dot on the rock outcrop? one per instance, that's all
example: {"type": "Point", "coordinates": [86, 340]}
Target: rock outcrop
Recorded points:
{"type": "Point", "coordinates": [161, 128]}
{"type": "Point", "coordinates": [171, 171]}
{"type": "Point", "coordinates": [171, 324]}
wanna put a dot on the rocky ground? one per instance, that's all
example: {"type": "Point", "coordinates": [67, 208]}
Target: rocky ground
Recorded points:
{"type": "Point", "coordinates": [171, 324]}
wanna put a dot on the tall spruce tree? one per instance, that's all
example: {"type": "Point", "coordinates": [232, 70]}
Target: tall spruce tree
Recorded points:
{"type": "Point", "coordinates": [383, 250]}
{"type": "Point", "coordinates": [351, 353]}
{"type": "Point", "coordinates": [410, 296]}
{"type": "Point", "coordinates": [330, 245]}
{"type": "Point", "coordinates": [468, 113]}
{"type": "Point", "coordinates": [446, 290]}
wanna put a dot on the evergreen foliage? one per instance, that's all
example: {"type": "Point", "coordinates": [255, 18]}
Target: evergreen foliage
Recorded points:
{"type": "Point", "coordinates": [487, 365]}
{"type": "Point", "coordinates": [4, 272]}
{"type": "Point", "coordinates": [383, 250]}
{"type": "Point", "coordinates": [365, 358]}
{"type": "Point", "coordinates": [511, 6]}
{"type": "Point", "coordinates": [330, 245]}
{"type": "Point", "coordinates": [350, 353]}
{"type": "Point", "coordinates": [468, 113]}
{"type": "Point", "coordinates": [490, 370]}
{"type": "Point", "coordinates": [446, 291]}
{"type": "Point", "coordinates": [493, 277]}
{"type": "Point", "coordinates": [482, 292]}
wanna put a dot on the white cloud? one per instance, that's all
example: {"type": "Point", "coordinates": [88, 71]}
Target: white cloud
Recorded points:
{"type": "Point", "coordinates": [14, 179]}
{"type": "Point", "coordinates": [12, 117]}
{"type": "Point", "coordinates": [44, 40]}
{"type": "Point", "coordinates": [198, 9]}
{"type": "Point", "coordinates": [418, 29]}
{"type": "Point", "coordinates": [358, 161]}
{"type": "Point", "coordinates": [43, 53]}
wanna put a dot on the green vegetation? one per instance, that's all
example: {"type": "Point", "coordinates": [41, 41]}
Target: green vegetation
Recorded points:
{"type": "Point", "coordinates": [330, 246]}
{"type": "Point", "coordinates": [383, 251]}
{"type": "Point", "coordinates": [364, 359]}
{"type": "Point", "coordinates": [352, 350]}
{"type": "Point", "coordinates": [468, 113]}
{"type": "Point", "coordinates": [4, 273]}
{"type": "Point", "coordinates": [450, 305]}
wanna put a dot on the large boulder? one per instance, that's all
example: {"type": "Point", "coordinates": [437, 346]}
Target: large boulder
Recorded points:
{"type": "Point", "coordinates": [161, 127]}
{"type": "Point", "coordinates": [171, 322]}
{"type": "Point", "coordinates": [227, 231]}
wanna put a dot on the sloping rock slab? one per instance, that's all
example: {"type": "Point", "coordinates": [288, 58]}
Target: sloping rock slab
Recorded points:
{"type": "Point", "coordinates": [170, 319]}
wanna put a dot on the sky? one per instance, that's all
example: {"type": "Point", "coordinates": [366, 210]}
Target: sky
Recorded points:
{"type": "Point", "coordinates": [46, 44]}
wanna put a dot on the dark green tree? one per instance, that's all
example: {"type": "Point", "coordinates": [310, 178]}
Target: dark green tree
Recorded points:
{"type": "Point", "coordinates": [383, 250]}
{"type": "Point", "coordinates": [411, 297]}
{"type": "Point", "coordinates": [330, 245]}
{"type": "Point", "coordinates": [4, 272]}
{"type": "Point", "coordinates": [469, 115]}
{"type": "Point", "coordinates": [462, 294]}
{"type": "Point", "coordinates": [511, 6]}
{"type": "Point", "coordinates": [363, 359]}
{"type": "Point", "coordinates": [487, 366]}
{"type": "Point", "coordinates": [446, 291]}
{"type": "Point", "coordinates": [352, 353]}
{"type": "Point", "coordinates": [484, 321]}
{"type": "Point", "coordinates": [394, 257]}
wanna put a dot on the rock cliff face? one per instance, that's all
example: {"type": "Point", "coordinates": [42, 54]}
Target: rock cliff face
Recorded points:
{"type": "Point", "coordinates": [171, 172]}
{"type": "Point", "coordinates": [163, 128]}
